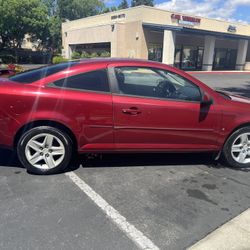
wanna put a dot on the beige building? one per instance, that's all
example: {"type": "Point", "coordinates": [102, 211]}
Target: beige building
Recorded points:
{"type": "Point", "coordinates": [187, 42]}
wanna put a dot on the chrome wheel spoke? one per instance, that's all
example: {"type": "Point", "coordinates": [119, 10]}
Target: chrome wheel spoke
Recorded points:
{"type": "Point", "coordinates": [242, 157]}
{"type": "Point", "coordinates": [35, 145]}
{"type": "Point", "coordinates": [49, 161]}
{"type": "Point", "coordinates": [48, 141]}
{"type": "Point", "coordinates": [237, 148]}
{"type": "Point", "coordinates": [57, 151]}
{"type": "Point", "coordinates": [244, 138]}
{"type": "Point", "coordinates": [35, 158]}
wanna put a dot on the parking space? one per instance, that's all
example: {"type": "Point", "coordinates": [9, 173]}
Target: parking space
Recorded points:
{"type": "Point", "coordinates": [50, 212]}
{"type": "Point", "coordinates": [173, 200]}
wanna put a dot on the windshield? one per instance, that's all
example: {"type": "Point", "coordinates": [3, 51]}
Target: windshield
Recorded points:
{"type": "Point", "coordinates": [36, 74]}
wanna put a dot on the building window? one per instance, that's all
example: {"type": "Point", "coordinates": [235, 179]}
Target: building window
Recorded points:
{"type": "Point", "coordinates": [224, 59]}
{"type": "Point", "coordinates": [93, 50]}
{"type": "Point", "coordinates": [155, 52]}
{"type": "Point", "coordinates": [188, 57]}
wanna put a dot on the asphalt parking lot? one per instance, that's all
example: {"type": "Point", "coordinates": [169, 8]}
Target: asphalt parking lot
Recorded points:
{"type": "Point", "coordinates": [173, 200]}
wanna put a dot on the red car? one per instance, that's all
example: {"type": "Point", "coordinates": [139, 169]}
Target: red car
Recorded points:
{"type": "Point", "coordinates": [118, 105]}
{"type": "Point", "coordinates": [6, 73]}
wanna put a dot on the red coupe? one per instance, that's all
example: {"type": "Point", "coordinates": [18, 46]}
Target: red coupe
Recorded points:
{"type": "Point", "coordinates": [118, 105]}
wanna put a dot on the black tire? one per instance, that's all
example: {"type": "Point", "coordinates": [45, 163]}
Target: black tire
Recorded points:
{"type": "Point", "coordinates": [227, 155]}
{"type": "Point", "coordinates": [57, 134]}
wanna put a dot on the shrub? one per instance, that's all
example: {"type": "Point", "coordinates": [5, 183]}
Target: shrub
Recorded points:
{"type": "Point", "coordinates": [75, 55]}
{"type": "Point", "coordinates": [93, 55]}
{"type": "Point", "coordinates": [85, 54]}
{"type": "Point", "coordinates": [105, 54]}
{"type": "Point", "coordinates": [58, 59]}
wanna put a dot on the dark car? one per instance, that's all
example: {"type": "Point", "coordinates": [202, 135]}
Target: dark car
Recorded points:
{"type": "Point", "coordinates": [118, 105]}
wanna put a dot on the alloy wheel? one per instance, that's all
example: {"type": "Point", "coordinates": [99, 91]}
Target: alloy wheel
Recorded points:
{"type": "Point", "coordinates": [45, 151]}
{"type": "Point", "coordinates": [240, 149]}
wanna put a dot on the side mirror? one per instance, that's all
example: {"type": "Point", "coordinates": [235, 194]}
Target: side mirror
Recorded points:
{"type": "Point", "coordinates": [206, 99]}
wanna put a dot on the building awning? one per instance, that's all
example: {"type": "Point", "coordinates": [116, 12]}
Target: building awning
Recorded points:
{"type": "Point", "coordinates": [187, 30]}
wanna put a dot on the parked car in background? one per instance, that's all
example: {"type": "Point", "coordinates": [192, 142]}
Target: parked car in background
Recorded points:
{"type": "Point", "coordinates": [6, 73]}
{"type": "Point", "coordinates": [118, 105]}
{"type": "Point", "coordinates": [8, 66]}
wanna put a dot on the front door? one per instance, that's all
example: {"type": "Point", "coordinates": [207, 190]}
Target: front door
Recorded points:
{"type": "Point", "coordinates": [156, 109]}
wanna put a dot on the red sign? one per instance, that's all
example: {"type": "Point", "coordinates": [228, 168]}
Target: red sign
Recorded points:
{"type": "Point", "coordinates": [185, 18]}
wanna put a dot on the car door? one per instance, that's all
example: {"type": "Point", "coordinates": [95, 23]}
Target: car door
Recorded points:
{"type": "Point", "coordinates": [85, 101]}
{"type": "Point", "coordinates": [148, 117]}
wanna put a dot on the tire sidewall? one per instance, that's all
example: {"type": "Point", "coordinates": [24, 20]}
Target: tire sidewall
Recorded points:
{"type": "Point", "coordinates": [227, 149]}
{"type": "Point", "coordinates": [65, 139]}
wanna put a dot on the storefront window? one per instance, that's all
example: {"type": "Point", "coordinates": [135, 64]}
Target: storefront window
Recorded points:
{"type": "Point", "coordinates": [92, 50]}
{"type": "Point", "coordinates": [155, 52]}
{"type": "Point", "coordinates": [177, 56]}
{"type": "Point", "coordinates": [225, 59]}
{"type": "Point", "coordinates": [200, 58]}
{"type": "Point", "coordinates": [188, 57]}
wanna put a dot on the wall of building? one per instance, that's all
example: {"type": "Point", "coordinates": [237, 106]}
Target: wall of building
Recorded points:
{"type": "Point", "coordinates": [128, 37]}
{"type": "Point", "coordinates": [158, 16]}
{"type": "Point", "coordinates": [97, 34]}
{"type": "Point", "coordinates": [189, 40]}
{"type": "Point", "coordinates": [134, 44]}
{"type": "Point", "coordinates": [226, 43]}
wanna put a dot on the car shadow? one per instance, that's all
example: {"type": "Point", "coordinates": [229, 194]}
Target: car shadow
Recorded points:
{"type": "Point", "coordinates": [243, 90]}
{"type": "Point", "coordinates": [154, 159]}
{"type": "Point", "coordinates": [9, 159]}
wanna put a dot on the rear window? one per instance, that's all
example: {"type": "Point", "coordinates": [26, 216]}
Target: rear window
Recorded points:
{"type": "Point", "coordinates": [94, 81]}
{"type": "Point", "coordinates": [37, 74]}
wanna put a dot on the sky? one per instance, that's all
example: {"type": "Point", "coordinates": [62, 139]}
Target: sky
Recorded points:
{"type": "Point", "coordinates": [231, 10]}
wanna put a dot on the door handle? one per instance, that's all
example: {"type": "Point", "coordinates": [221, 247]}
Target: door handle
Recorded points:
{"type": "Point", "coordinates": [131, 111]}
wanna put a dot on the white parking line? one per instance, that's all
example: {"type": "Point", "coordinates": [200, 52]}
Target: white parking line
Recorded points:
{"type": "Point", "coordinates": [130, 230]}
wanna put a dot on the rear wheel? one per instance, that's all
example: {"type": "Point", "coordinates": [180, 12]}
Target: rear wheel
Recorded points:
{"type": "Point", "coordinates": [44, 150]}
{"type": "Point", "coordinates": [236, 150]}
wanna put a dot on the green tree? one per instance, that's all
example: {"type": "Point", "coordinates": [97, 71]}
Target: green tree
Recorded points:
{"type": "Point", "coordinates": [52, 7]}
{"type": "Point", "coordinates": [76, 9]}
{"type": "Point", "coordinates": [142, 2]}
{"type": "Point", "coordinates": [19, 18]}
{"type": "Point", "coordinates": [51, 37]}
{"type": "Point", "coordinates": [109, 9]}
{"type": "Point", "coordinates": [123, 5]}
{"type": "Point", "coordinates": [41, 20]}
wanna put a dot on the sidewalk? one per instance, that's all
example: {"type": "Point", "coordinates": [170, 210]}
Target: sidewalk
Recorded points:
{"type": "Point", "coordinates": [234, 235]}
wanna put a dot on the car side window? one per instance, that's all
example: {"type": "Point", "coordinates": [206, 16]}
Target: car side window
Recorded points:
{"type": "Point", "coordinates": [94, 81]}
{"type": "Point", "coordinates": [157, 83]}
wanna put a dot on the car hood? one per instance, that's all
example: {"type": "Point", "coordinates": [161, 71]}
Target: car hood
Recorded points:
{"type": "Point", "coordinates": [236, 98]}
{"type": "Point", "coordinates": [240, 99]}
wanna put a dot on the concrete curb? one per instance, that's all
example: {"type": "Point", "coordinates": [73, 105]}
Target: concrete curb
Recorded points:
{"type": "Point", "coordinates": [234, 235]}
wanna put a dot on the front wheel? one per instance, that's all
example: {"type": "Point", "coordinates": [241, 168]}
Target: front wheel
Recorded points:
{"type": "Point", "coordinates": [44, 150]}
{"type": "Point", "coordinates": [236, 150]}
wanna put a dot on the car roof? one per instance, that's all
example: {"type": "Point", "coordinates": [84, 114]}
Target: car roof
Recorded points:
{"type": "Point", "coordinates": [116, 60]}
